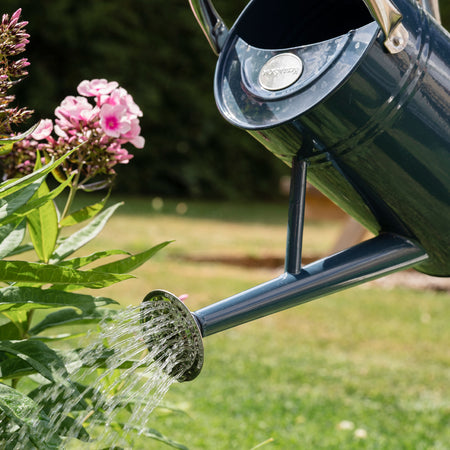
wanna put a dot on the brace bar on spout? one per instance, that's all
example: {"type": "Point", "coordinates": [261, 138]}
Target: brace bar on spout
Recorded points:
{"type": "Point", "coordinates": [371, 259]}
{"type": "Point", "coordinates": [296, 218]}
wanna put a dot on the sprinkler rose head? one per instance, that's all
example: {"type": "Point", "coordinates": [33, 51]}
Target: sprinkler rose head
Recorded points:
{"type": "Point", "coordinates": [172, 333]}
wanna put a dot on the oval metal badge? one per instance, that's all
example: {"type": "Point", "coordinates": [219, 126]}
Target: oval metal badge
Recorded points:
{"type": "Point", "coordinates": [280, 72]}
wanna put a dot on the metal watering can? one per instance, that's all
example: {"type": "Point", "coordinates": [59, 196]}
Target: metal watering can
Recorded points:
{"type": "Point", "coordinates": [355, 98]}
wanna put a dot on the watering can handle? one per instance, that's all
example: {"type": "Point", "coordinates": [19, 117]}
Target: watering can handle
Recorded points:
{"type": "Point", "coordinates": [210, 22]}
{"type": "Point", "coordinates": [383, 11]}
{"type": "Point", "coordinates": [388, 17]}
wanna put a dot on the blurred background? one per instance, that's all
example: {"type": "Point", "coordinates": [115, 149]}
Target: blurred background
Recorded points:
{"type": "Point", "coordinates": [156, 51]}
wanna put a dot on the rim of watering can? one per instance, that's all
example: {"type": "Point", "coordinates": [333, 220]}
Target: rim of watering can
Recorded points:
{"type": "Point", "coordinates": [184, 333]}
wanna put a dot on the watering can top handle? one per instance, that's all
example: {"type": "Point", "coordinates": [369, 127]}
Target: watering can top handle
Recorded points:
{"type": "Point", "coordinates": [383, 11]}
{"type": "Point", "coordinates": [389, 19]}
{"type": "Point", "coordinates": [210, 22]}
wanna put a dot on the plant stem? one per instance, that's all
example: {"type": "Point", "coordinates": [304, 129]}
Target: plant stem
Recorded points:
{"type": "Point", "coordinates": [69, 201]}
{"type": "Point", "coordinates": [73, 191]}
{"type": "Point", "coordinates": [28, 324]}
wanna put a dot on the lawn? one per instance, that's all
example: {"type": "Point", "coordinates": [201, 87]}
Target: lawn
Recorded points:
{"type": "Point", "coordinates": [366, 368]}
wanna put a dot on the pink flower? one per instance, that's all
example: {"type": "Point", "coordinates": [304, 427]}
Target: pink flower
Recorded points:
{"type": "Point", "coordinates": [101, 124]}
{"type": "Point", "coordinates": [96, 87]}
{"type": "Point", "coordinates": [113, 120]}
{"type": "Point", "coordinates": [15, 17]}
{"type": "Point", "coordinates": [120, 155]}
{"type": "Point", "coordinates": [72, 110]}
{"type": "Point", "coordinates": [43, 130]}
{"type": "Point", "coordinates": [60, 132]}
{"type": "Point", "coordinates": [121, 97]}
{"type": "Point", "coordinates": [132, 135]}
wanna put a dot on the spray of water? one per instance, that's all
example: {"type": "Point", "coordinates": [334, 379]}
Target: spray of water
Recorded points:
{"type": "Point", "coordinates": [125, 380]}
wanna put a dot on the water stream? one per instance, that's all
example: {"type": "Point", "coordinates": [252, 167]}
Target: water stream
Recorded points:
{"type": "Point", "coordinates": [114, 379]}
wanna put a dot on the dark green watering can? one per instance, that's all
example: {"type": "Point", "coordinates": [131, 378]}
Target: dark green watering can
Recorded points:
{"type": "Point", "coordinates": [354, 96]}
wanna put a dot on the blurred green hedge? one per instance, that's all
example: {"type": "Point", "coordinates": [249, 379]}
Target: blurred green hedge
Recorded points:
{"type": "Point", "coordinates": [155, 50]}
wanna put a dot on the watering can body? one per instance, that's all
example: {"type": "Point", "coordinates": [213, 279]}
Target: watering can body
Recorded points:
{"type": "Point", "coordinates": [315, 80]}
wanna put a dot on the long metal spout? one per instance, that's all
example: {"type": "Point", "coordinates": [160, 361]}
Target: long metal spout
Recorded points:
{"type": "Point", "coordinates": [184, 330]}
{"type": "Point", "coordinates": [369, 260]}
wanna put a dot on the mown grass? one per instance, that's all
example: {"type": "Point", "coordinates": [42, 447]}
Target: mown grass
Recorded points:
{"type": "Point", "coordinates": [366, 368]}
{"type": "Point", "coordinates": [300, 376]}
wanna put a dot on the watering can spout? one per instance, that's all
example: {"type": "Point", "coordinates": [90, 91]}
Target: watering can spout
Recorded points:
{"type": "Point", "coordinates": [372, 259]}
{"type": "Point", "coordinates": [369, 260]}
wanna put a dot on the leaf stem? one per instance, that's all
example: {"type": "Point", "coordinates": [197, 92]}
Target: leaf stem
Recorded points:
{"type": "Point", "coordinates": [73, 190]}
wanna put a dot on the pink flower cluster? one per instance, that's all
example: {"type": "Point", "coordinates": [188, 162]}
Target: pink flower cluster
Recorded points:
{"type": "Point", "coordinates": [101, 126]}
{"type": "Point", "coordinates": [115, 112]}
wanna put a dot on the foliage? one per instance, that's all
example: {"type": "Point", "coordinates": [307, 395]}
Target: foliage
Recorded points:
{"type": "Point", "coordinates": [25, 343]}
{"type": "Point", "coordinates": [38, 297]}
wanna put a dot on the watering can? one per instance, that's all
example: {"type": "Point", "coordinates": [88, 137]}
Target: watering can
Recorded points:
{"type": "Point", "coordinates": [354, 97]}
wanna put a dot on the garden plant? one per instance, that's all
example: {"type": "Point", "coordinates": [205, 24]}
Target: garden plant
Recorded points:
{"type": "Point", "coordinates": [44, 167]}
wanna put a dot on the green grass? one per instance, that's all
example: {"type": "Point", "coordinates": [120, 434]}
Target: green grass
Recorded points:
{"type": "Point", "coordinates": [366, 368]}
{"type": "Point", "coordinates": [296, 376]}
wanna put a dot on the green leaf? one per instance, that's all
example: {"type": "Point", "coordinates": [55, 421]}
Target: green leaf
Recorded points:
{"type": "Point", "coordinates": [43, 225]}
{"type": "Point", "coordinates": [21, 249]}
{"type": "Point", "coordinates": [5, 148]}
{"type": "Point", "coordinates": [47, 391]}
{"type": "Point", "coordinates": [83, 214]}
{"type": "Point", "coordinates": [7, 143]}
{"type": "Point", "coordinates": [9, 331]}
{"type": "Point", "coordinates": [11, 236]}
{"type": "Point", "coordinates": [76, 263]}
{"type": "Point", "coordinates": [38, 356]}
{"type": "Point", "coordinates": [132, 262]}
{"type": "Point", "coordinates": [14, 298]}
{"type": "Point", "coordinates": [14, 368]}
{"type": "Point", "coordinates": [21, 410]}
{"type": "Point", "coordinates": [37, 202]}
{"type": "Point", "coordinates": [71, 316]}
{"type": "Point", "coordinates": [12, 202]}
{"type": "Point", "coordinates": [22, 271]}
{"type": "Point", "coordinates": [83, 236]}
{"type": "Point", "coordinates": [156, 435]}
{"type": "Point", "coordinates": [20, 321]}
{"type": "Point", "coordinates": [101, 358]}
{"type": "Point", "coordinates": [50, 395]}
{"type": "Point", "coordinates": [18, 407]}
{"type": "Point", "coordinates": [8, 187]}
